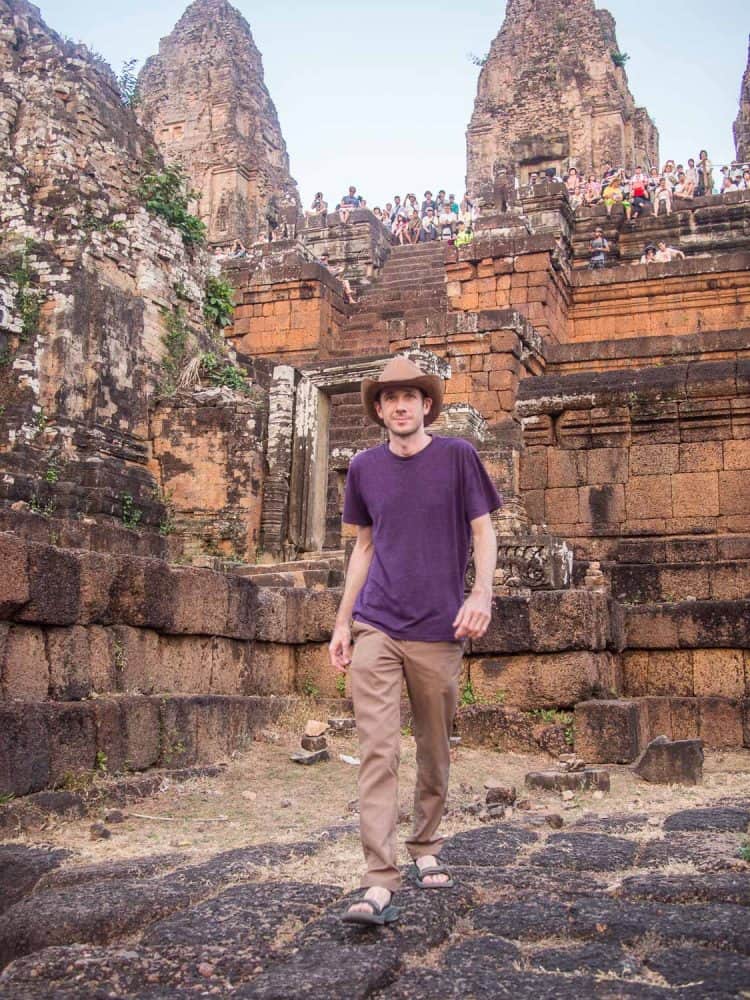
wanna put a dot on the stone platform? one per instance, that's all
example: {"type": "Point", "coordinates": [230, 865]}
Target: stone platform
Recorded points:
{"type": "Point", "coordinates": [610, 907]}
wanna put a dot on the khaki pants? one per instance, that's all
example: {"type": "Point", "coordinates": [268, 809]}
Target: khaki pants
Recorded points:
{"type": "Point", "coordinates": [379, 665]}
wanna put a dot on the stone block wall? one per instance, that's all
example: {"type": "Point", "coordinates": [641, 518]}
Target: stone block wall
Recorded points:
{"type": "Point", "coordinates": [658, 451]}
{"type": "Point", "coordinates": [292, 315]}
{"type": "Point", "coordinates": [494, 273]}
{"type": "Point", "coordinates": [209, 457]}
{"type": "Point", "coordinates": [678, 298]}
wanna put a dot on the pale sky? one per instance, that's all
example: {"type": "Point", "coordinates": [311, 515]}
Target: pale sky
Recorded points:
{"type": "Point", "coordinates": [380, 94]}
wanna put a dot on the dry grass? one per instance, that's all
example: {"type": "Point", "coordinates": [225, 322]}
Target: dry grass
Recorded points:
{"type": "Point", "coordinates": [262, 797]}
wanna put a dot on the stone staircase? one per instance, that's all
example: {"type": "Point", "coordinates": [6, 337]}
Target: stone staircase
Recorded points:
{"type": "Point", "coordinates": [317, 572]}
{"type": "Point", "coordinates": [410, 291]}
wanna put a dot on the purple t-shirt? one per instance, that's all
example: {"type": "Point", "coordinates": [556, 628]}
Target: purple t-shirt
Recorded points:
{"type": "Point", "coordinates": [420, 509]}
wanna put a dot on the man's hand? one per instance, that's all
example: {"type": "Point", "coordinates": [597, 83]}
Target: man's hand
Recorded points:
{"type": "Point", "coordinates": [474, 615]}
{"type": "Point", "coordinates": [340, 648]}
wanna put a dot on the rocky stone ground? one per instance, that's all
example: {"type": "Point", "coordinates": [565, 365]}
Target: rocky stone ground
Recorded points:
{"type": "Point", "coordinates": [641, 902]}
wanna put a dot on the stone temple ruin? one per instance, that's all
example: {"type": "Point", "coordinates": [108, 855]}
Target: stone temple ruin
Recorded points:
{"type": "Point", "coordinates": [170, 491]}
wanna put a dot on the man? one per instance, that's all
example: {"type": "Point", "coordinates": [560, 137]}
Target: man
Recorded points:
{"type": "Point", "coordinates": [348, 203]}
{"type": "Point", "coordinates": [464, 236]}
{"type": "Point", "coordinates": [417, 502]}
{"type": "Point", "coordinates": [649, 254]}
{"type": "Point", "coordinates": [429, 227]}
{"type": "Point", "coordinates": [338, 272]}
{"type": "Point", "coordinates": [599, 250]}
{"type": "Point", "coordinates": [664, 253]}
{"type": "Point", "coordinates": [428, 203]}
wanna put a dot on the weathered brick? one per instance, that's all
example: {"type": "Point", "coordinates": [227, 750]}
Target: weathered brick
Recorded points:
{"type": "Point", "coordinates": [734, 496]}
{"type": "Point", "coordinates": [565, 468]}
{"type": "Point", "coordinates": [561, 506]}
{"type": "Point", "coordinates": [648, 496]}
{"type": "Point", "coordinates": [69, 661]}
{"type": "Point", "coordinates": [670, 672]}
{"type": "Point", "coordinates": [55, 586]}
{"type": "Point", "coordinates": [737, 455]}
{"type": "Point", "coordinates": [14, 579]}
{"type": "Point", "coordinates": [695, 494]}
{"type": "Point", "coordinates": [720, 723]}
{"type": "Point", "coordinates": [654, 459]}
{"type": "Point", "coordinates": [314, 674]}
{"type": "Point", "coordinates": [534, 469]}
{"type": "Point", "coordinates": [25, 669]}
{"type": "Point", "coordinates": [607, 465]}
{"type": "Point", "coordinates": [719, 673]}
{"type": "Point", "coordinates": [702, 456]}
{"type": "Point", "coordinates": [509, 629]}
{"type": "Point", "coordinates": [24, 750]}
{"type": "Point", "coordinates": [552, 680]}
{"type": "Point", "coordinates": [568, 619]}
{"type": "Point", "coordinates": [607, 732]}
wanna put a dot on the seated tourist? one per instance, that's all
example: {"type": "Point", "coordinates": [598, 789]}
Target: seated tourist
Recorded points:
{"type": "Point", "coordinates": [728, 185]}
{"type": "Point", "coordinates": [683, 188]}
{"type": "Point", "coordinates": [663, 196]}
{"type": "Point", "coordinates": [613, 194]}
{"type": "Point", "coordinates": [429, 226]}
{"type": "Point", "coordinates": [398, 209]}
{"type": "Point", "coordinates": [400, 227]}
{"type": "Point", "coordinates": [446, 223]}
{"type": "Point", "coordinates": [238, 250]}
{"type": "Point", "coordinates": [649, 254]}
{"type": "Point", "coordinates": [639, 192]}
{"type": "Point", "coordinates": [664, 253]}
{"type": "Point", "coordinates": [453, 204]}
{"type": "Point", "coordinates": [744, 183]}
{"type": "Point", "coordinates": [338, 272]}
{"type": "Point", "coordinates": [414, 227]}
{"type": "Point", "coordinates": [592, 191]}
{"type": "Point", "coordinates": [319, 205]}
{"type": "Point", "coordinates": [464, 235]}
{"type": "Point", "coordinates": [573, 186]}
{"type": "Point", "coordinates": [599, 250]}
{"type": "Point", "coordinates": [348, 203]}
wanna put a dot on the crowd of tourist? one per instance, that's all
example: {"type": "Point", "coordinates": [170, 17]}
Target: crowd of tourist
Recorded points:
{"type": "Point", "coordinates": [653, 190]}
{"type": "Point", "coordinates": [408, 221]}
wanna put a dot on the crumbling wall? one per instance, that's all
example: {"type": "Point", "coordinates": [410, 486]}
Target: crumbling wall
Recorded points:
{"type": "Point", "coordinates": [742, 121]}
{"type": "Point", "coordinates": [90, 282]}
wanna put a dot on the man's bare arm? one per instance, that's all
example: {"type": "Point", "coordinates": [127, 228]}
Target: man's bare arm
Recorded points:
{"type": "Point", "coordinates": [339, 648]}
{"type": "Point", "coordinates": [473, 618]}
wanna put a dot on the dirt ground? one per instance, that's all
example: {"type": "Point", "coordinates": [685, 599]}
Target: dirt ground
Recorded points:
{"type": "Point", "coordinates": [262, 796]}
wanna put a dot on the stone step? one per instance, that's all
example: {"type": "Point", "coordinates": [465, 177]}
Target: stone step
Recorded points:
{"type": "Point", "coordinates": [617, 731]}
{"type": "Point", "coordinates": [644, 583]}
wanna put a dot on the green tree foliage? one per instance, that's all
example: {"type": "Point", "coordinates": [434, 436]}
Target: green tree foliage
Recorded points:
{"type": "Point", "coordinates": [218, 306]}
{"type": "Point", "coordinates": [167, 195]}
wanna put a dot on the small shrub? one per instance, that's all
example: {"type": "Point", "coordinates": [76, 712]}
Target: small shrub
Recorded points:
{"type": "Point", "coordinates": [223, 373]}
{"type": "Point", "coordinates": [476, 60]}
{"type": "Point", "coordinates": [37, 506]}
{"type": "Point", "coordinates": [101, 762]}
{"type": "Point", "coordinates": [341, 685]}
{"type": "Point", "coordinates": [218, 306]}
{"type": "Point", "coordinates": [52, 474]}
{"type": "Point", "coordinates": [468, 697]}
{"type": "Point", "coordinates": [167, 195]}
{"type": "Point", "coordinates": [6, 797]}
{"type": "Point", "coordinates": [310, 689]}
{"type": "Point", "coordinates": [131, 515]}
{"type": "Point", "coordinates": [744, 851]}
{"type": "Point", "coordinates": [28, 301]}
{"type": "Point", "coordinates": [620, 58]}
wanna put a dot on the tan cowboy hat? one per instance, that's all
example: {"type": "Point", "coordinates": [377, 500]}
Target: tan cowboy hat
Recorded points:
{"type": "Point", "coordinates": [402, 373]}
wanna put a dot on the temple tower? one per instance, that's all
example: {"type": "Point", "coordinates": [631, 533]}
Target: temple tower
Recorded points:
{"type": "Point", "coordinates": [742, 121]}
{"type": "Point", "coordinates": [204, 98]}
{"type": "Point", "coordinates": [553, 93]}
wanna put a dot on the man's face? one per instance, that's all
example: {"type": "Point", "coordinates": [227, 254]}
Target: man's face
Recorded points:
{"type": "Point", "coordinates": [403, 410]}
{"type": "Point", "coordinates": [352, 190]}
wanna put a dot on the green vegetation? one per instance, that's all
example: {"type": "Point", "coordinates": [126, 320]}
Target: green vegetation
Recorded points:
{"type": "Point", "coordinates": [167, 195]}
{"type": "Point", "coordinates": [127, 83]}
{"type": "Point", "coordinates": [101, 762]}
{"type": "Point", "coordinates": [310, 689]}
{"type": "Point", "coordinates": [6, 797]}
{"type": "Point", "coordinates": [620, 58]}
{"type": "Point", "coordinates": [167, 525]}
{"type": "Point", "coordinates": [28, 300]}
{"type": "Point", "coordinates": [131, 515]}
{"type": "Point", "coordinates": [745, 851]}
{"type": "Point", "coordinates": [6, 357]}
{"type": "Point", "coordinates": [52, 474]}
{"type": "Point", "coordinates": [220, 372]}
{"type": "Point", "coordinates": [467, 696]}
{"type": "Point", "coordinates": [341, 685]}
{"type": "Point", "coordinates": [37, 506]}
{"type": "Point", "coordinates": [218, 306]}
{"type": "Point", "coordinates": [477, 60]}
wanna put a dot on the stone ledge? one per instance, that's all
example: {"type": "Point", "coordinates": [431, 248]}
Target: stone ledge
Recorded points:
{"type": "Point", "coordinates": [714, 263]}
{"type": "Point", "coordinates": [617, 732]}
{"type": "Point", "coordinates": [646, 347]}
{"type": "Point", "coordinates": [46, 585]}
{"type": "Point", "coordinates": [688, 625]}
{"type": "Point", "coordinates": [47, 745]}
{"type": "Point", "coordinates": [547, 394]}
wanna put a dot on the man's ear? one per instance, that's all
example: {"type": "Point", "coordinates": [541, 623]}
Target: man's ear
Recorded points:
{"type": "Point", "coordinates": [378, 407]}
{"type": "Point", "coordinates": [427, 400]}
